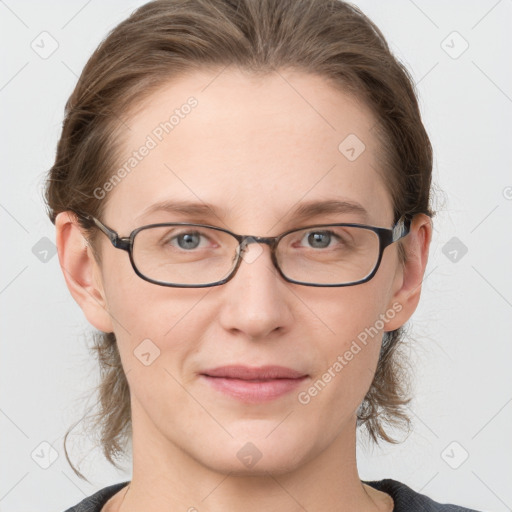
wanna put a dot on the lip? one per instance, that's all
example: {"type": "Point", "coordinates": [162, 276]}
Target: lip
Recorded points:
{"type": "Point", "coordinates": [254, 384]}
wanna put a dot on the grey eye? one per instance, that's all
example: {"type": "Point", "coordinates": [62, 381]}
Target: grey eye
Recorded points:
{"type": "Point", "coordinates": [319, 239]}
{"type": "Point", "coordinates": [189, 240]}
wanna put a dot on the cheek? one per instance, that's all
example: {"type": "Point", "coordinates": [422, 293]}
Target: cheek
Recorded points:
{"type": "Point", "coordinates": [141, 309]}
{"type": "Point", "coordinates": [347, 351]}
{"type": "Point", "coordinates": [349, 314]}
{"type": "Point", "coordinates": [152, 323]}
{"type": "Point", "coordinates": [157, 333]}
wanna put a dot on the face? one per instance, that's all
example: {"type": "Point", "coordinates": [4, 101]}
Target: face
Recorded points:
{"type": "Point", "coordinates": [254, 150]}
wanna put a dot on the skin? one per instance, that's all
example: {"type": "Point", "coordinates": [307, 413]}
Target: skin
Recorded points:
{"type": "Point", "coordinates": [256, 147]}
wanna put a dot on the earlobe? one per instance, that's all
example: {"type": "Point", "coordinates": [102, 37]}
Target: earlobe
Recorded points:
{"type": "Point", "coordinates": [409, 276]}
{"type": "Point", "coordinates": [81, 271]}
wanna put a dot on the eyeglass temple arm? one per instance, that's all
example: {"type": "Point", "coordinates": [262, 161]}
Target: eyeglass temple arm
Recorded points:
{"type": "Point", "coordinates": [117, 241]}
{"type": "Point", "coordinates": [401, 228]}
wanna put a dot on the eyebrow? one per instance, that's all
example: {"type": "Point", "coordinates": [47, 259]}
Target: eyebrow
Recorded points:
{"type": "Point", "coordinates": [302, 211]}
{"type": "Point", "coordinates": [330, 206]}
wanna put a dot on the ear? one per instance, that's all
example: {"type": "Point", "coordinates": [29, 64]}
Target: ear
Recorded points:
{"type": "Point", "coordinates": [409, 276]}
{"type": "Point", "coordinates": [81, 271]}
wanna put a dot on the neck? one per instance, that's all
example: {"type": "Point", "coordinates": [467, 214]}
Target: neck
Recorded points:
{"type": "Point", "coordinates": [165, 477]}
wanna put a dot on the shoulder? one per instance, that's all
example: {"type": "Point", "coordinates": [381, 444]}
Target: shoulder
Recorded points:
{"type": "Point", "coordinates": [408, 500]}
{"type": "Point", "coordinates": [95, 502]}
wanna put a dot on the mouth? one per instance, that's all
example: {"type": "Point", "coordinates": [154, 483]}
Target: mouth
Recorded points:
{"type": "Point", "coordinates": [253, 384]}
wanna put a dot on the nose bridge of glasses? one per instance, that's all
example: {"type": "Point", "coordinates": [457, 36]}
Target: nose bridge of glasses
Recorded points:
{"type": "Point", "coordinates": [249, 239]}
{"type": "Point", "coordinates": [251, 256]}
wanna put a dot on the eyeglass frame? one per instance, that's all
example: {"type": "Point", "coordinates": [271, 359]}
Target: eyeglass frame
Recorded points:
{"type": "Point", "coordinates": [386, 236]}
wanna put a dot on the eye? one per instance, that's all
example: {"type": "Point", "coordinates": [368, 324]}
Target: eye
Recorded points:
{"type": "Point", "coordinates": [320, 239]}
{"type": "Point", "coordinates": [187, 240]}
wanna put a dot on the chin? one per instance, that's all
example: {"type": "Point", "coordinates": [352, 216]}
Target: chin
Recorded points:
{"type": "Point", "coordinates": [263, 467]}
{"type": "Point", "coordinates": [256, 456]}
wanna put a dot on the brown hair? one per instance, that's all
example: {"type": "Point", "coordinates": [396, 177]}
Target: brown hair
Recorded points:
{"type": "Point", "coordinates": [165, 38]}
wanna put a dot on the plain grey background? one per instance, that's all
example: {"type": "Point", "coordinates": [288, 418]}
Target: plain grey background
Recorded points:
{"type": "Point", "coordinates": [459, 55]}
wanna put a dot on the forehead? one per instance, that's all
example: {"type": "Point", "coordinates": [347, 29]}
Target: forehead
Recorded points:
{"type": "Point", "coordinates": [256, 146]}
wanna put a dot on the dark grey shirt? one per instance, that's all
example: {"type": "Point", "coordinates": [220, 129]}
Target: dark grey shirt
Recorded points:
{"type": "Point", "coordinates": [406, 500]}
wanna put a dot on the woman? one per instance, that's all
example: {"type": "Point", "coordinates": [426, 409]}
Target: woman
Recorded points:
{"type": "Point", "coordinates": [265, 167]}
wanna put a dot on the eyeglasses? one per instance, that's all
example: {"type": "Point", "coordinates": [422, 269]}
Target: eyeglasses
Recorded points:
{"type": "Point", "coordinates": [185, 255]}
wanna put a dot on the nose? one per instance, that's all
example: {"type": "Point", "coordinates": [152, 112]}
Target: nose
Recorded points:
{"type": "Point", "coordinates": [256, 301]}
